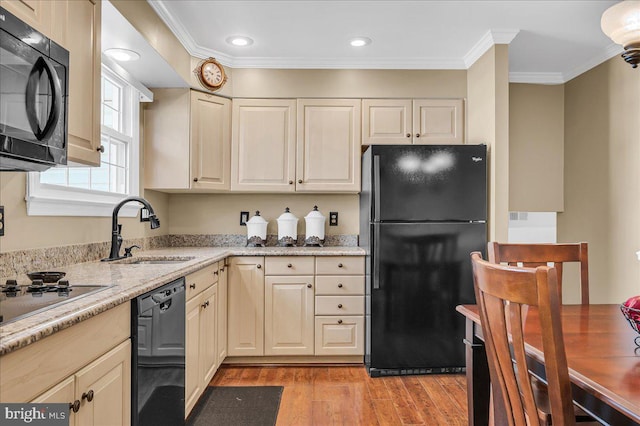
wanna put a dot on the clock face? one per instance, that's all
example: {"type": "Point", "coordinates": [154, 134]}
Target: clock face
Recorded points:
{"type": "Point", "coordinates": [212, 74]}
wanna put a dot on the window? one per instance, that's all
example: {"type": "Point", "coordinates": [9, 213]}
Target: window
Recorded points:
{"type": "Point", "coordinates": [93, 191]}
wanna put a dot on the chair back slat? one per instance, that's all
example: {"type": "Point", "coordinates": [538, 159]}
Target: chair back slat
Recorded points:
{"type": "Point", "coordinates": [534, 255]}
{"type": "Point", "coordinates": [504, 294]}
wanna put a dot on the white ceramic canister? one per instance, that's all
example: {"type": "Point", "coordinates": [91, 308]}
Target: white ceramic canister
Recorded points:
{"type": "Point", "coordinates": [287, 228]}
{"type": "Point", "coordinates": [314, 222]}
{"type": "Point", "coordinates": [256, 230]}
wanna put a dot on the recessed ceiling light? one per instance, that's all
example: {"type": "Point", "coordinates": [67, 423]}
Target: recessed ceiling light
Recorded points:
{"type": "Point", "coordinates": [239, 41]}
{"type": "Point", "coordinates": [122, 55]}
{"type": "Point", "coordinates": [360, 41]}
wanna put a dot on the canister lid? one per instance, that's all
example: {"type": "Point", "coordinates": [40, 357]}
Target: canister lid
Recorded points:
{"type": "Point", "coordinates": [315, 214]}
{"type": "Point", "coordinates": [287, 216]}
{"type": "Point", "coordinates": [257, 218]}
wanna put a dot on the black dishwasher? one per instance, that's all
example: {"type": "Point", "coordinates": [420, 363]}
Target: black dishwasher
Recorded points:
{"type": "Point", "coordinates": [158, 356]}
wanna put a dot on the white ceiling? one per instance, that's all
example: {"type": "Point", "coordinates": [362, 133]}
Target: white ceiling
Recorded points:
{"type": "Point", "coordinates": [551, 41]}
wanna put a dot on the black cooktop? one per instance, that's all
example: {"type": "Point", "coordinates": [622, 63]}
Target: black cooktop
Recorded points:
{"type": "Point", "coordinates": [17, 302]}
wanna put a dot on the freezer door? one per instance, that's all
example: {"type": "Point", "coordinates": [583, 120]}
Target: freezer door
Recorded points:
{"type": "Point", "coordinates": [429, 183]}
{"type": "Point", "coordinates": [419, 273]}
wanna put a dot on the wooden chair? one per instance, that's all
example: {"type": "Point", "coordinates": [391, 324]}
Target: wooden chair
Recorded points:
{"type": "Point", "coordinates": [503, 293]}
{"type": "Point", "coordinates": [532, 255]}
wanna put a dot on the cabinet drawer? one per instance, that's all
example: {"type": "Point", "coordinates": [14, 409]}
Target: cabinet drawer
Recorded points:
{"type": "Point", "coordinates": [339, 305]}
{"type": "Point", "coordinates": [337, 285]}
{"type": "Point", "coordinates": [337, 335]}
{"type": "Point", "coordinates": [340, 265]}
{"type": "Point", "coordinates": [199, 281]}
{"type": "Point", "coordinates": [288, 265]}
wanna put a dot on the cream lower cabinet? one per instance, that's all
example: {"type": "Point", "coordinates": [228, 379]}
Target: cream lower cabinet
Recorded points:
{"type": "Point", "coordinates": [246, 306]}
{"type": "Point", "coordinates": [223, 291]}
{"type": "Point", "coordinates": [201, 339]}
{"type": "Point", "coordinates": [101, 390]}
{"type": "Point", "coordinates": [417, 121]}
{"type": "Point", "coordinates": [288, 310]}
{"type": "Point", "coordinates": [187, 141]}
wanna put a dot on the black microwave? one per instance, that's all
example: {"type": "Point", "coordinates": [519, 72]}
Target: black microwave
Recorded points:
{"type": "Point", "coordinates": [34, 81]}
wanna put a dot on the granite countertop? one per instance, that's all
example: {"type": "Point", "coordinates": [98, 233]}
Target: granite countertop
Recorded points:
{"type": "Point", "coordinates": [127, 281]}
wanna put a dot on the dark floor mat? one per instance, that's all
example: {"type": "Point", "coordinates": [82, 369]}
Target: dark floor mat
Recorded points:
{"type": "Point", "coordinates": [237, 405]}
{"type": "Point", "coordinates": [165, 407]}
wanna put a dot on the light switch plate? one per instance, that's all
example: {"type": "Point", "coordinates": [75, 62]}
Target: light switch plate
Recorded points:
{"type": "Point", "coordinates": [244, 217]}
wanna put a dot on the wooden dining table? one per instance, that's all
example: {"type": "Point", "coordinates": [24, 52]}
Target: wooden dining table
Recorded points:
{"type": "Point", "coordinates": [603, 360]}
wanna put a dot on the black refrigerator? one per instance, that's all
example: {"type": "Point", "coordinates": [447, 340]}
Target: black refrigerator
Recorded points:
{"type": "Point", "coordinates": [423, 210]}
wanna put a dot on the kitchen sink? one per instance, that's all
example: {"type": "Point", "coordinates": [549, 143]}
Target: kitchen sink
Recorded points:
{"type": "Point", "coordinates": [154, 260]}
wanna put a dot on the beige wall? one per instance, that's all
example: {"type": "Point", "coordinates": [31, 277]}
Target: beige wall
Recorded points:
{"type": "Point", "coordinates": [28, 232]}
{"type": "Point", "coordinates": [220, 213]}
{"type": "Point", "coordinates": [488, 122]}
{"type": "Point", "coordinates": [602, 176]}
{"type": "Point", "coordinates": [536, 147]}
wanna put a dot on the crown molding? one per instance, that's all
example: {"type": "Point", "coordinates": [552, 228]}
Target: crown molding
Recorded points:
{"type": "Point", "coordinates": [609, 52]}
{"type": "Point", "coordinates": [487, 41]}
{"type": "Point", "coordinates": [536, 77]}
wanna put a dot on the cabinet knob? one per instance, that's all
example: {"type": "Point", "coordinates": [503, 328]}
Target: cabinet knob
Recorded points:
{"type": "Point", "coordinates": [88, 396]}
{"type": "Point", "coordinates": [222, 269]}
{"type": "Point", "coordinates": [74, 406]}
{"type": "Point", "coordinates": [215, 272]}
{"type": "Point", "coordinates": [258, 266]}
{"type": "Point", "coordinates": [339, 321]}
{"type": "Point", "coordinates": [309, 285]}
{"type": "Point", "coordinates": [299, 180]}
{"type": "Point", "coordinates": [339, 305]}
{"type": "Point", "coordinates": [205, 304]}
{"type": "Point", "coordinates": [417, 135]}
{"type": "Point", "coordinates": [340, 285]}
{"type": "Point", "coordinates": [192, 286]}
{"type": "Point", "coordinates": [408, 135]}
{"type": "Point", "coordinates": [100, 149]}
{"type": "Point", "coordinates": [339, 265]}
{"type": "Point", "coordinates": [290, 182]}
{"type": "Point", "coordinates": [289, 266]}
{"type": "Point", "coordinates": [195, 179]}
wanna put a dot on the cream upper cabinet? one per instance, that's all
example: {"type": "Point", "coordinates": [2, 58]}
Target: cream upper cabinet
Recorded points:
{"type": "Point", "coordinates": [386, 121]}
{"type": "Point", "coordinates": [246, 306]}
{"type": "Point", "coordinates": [83, 43]}
{"type": "Point", "coordinates": [289, 315]}
{"type": "Point", "coordinates": [263, 154]}
{"type": "Point", "coordinates": [418, 121]}
{"type": "Point", "coordinates": [35, 13]}
{"type": "Point", "coordinates": [328, 145]}
{"type": "Point", "coordinates": [187, 141]}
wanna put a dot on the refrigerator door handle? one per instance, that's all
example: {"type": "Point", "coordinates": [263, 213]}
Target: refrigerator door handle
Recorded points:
{"type": "Point", "coordinates": [376, 186]}
{"type": "Point", "coordinates": [376, 257]}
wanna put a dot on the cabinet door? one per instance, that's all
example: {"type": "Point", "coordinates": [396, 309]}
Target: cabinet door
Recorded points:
{"type": "Point", "coordinates": [339, 335]}
{"type": "Point", "coordinates": [83, 42]}
{"type": "Point", "coordinates": [288, 315]}
{"type": "Point", "coordinates": [328, 145]}
{"type": "Point", "coordinates": [263, 145]}
{"type": "Point", "coordinates": [63, 392]}
{"type": "Point", "coordinates": [36, 13]}
{"type": "Point", "coordinates": [210, 141]}
{"type": "Point", "coordinates": [208, 335]}
{"type": "Point", "coordinates": [246, 306]}
{"type": "Point", "coordinates": [386, 121]}
{"type": "Point", "coordinates": [437, 121]}
{"type": "Point", "coordinates": [222, 313]}
{"type": "Point", "coordinates": [192, 352]}
{"type": "Point", "coordinates": [109, 380]}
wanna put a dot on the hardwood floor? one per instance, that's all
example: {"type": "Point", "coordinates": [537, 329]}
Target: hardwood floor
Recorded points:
{"type": "Point", "coordinates": [348, 396]}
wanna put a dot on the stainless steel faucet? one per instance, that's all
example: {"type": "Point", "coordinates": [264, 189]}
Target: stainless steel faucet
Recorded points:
{"type": "Point", "coordinates": [116, 228]}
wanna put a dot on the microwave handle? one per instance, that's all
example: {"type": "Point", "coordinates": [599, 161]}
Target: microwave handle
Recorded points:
{"type": "Point", "coordinates": [41, 65]}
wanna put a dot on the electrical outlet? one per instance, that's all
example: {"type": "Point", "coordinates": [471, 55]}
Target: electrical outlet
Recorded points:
{"type": "Point", "coordinates": [333, 218]}
{"type": "Point", "coordinates": [244, 218]}
{"type": "Point", "coordinates": [1, 221]}
{"type": "Point", "coordinates": [144, 215]}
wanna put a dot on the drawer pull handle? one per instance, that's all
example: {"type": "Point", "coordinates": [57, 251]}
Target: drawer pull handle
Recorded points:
{"type": "Point", "coordinates": [339, 321]}
{"type": "Point", "coordinates": [339, 305]}
{"type": "Point", "coordinates": [192, 286]}
{"type": "Point", "coordinates": [74, 406]}
{"type": "Point", "coordinates": [339, 265]}
{"type": "Point", "coordinates": [258, 266]}
{"type": "Point", "coordinates": [309, 286]}
{"type": "Point", "coordinates": [289, 266]}
{"type": "Point", "coordinates": [88, 396]}
{"type": "Point", "coordinates": [340, 285]}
